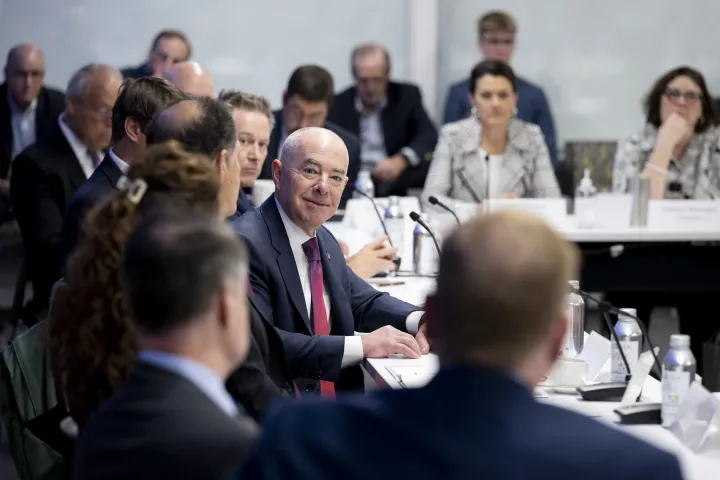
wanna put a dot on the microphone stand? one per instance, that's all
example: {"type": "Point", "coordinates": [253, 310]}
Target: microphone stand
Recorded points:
{"type": "Point", "coordinates": [397, 260]}
{"type": "Point", "coordinates": [415, 217]}
{"type": "Point", "coordinates": [487, 183]}
{"type": "Point", "coordinates": [434, 201]}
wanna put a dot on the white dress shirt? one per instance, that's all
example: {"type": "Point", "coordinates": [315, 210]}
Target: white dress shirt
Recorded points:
{"type": "Point", "coordinates": [78, 148]}
{"type": "Point", "coordinates": [118, 161]}
{"type": "Point", "coordinates": [22, 124]}
{"type": "Point", "coordinates": [353, 352]}
{"type": "Point", "coordinates": [205, 379]}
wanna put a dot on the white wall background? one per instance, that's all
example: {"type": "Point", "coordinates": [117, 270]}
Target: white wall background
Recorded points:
{"type": "Point", "coordinates": [595, 59]}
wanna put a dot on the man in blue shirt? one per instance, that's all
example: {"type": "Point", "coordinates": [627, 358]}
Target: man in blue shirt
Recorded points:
{"type": "Point", "coordinates": [496, 40]}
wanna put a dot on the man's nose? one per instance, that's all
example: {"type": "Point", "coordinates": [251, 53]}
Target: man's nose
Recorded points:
{"type": "Point", "coordinates": [321, 186]}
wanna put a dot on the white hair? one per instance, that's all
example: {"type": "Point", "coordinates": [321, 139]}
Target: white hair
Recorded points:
{"type": "Point", "coordinates": [78, 83]}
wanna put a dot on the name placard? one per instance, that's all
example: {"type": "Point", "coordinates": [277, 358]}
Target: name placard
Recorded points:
{"type": "Point", "coordinates": [552, 210]}
{"type": "Point", "coordinates": [694, 215]}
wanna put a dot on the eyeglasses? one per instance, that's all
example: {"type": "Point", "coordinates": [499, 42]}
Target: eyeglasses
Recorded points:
{"type": "Point", "coordinates": [674, 95]}
{"type": "Point", "coordinates": [499, 41]}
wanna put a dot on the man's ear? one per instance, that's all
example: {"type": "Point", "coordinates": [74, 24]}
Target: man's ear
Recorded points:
{"type": "Point", "coordinates": [276, 172]}
{"type": "Point", "coordinates": [133, 129]}
{"type": "Point", "coordinates": [284, 97]}
{"type": "Point", "coordinates": [221, 161]}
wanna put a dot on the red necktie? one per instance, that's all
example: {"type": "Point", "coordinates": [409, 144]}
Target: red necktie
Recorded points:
{"type": "Point", "coordinates": [320, 318]}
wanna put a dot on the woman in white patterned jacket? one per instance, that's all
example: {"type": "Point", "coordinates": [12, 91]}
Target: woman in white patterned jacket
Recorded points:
{"type": "Point", "coordinates": [491, 151]}
{"type": "Point", "coordinates": [678, 147]}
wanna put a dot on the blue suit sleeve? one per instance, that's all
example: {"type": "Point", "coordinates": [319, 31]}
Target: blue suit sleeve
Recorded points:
{"type": "Point", "coordinates": [373, 309]}
{"type": "Point", "coordinates": [542, 117]}
{"type": "Point", "coordinates": [455, 108]}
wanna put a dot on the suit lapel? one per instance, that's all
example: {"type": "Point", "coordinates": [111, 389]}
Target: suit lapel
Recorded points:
{"type": "Point", "coordinates": [285, 258]}
{"type": "Point", "coordinates": [338, 298]}
{"type": "Point", "coordinates": [110, 170]}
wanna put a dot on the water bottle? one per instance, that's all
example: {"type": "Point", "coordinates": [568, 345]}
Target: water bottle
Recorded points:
{"type": "Point", "coordinates": [629, 336]}
{"type": "Point", "coordinates": [365, 184]}
{"type": "Point", "coordinates": [395, 224]}
{"type": "Point", "coordinates": [575, 335]}
{"type": "Point", "coordinates": [425, 255]}
{"type": "Point", "coordinates": [585, 196]}
{"type": "Point", "coordinates": [678, 372]}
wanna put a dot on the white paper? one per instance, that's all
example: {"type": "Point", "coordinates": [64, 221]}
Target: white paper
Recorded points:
{"type": "Point", "coordinates": [637, 381]}
{"type": "Point", "coordinates": [595, 352]}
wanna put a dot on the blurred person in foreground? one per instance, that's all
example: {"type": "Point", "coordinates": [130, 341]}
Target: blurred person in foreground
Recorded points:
{"type": "Point", "coordinates": [492, 153]}
{"type": "Point", "coordinates": [678, 149]}
{"type": "Point", "coordinates": [191, 79]}
{"type": "Point", "coordinates": [184, 277]}
{"type": "Point", "coordinates": [497, 321]}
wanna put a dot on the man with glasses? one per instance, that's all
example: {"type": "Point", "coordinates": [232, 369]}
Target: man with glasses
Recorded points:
{"type": "Point", "coordinates": [496, 41]}
{"type": "Point", "coordinates": [306, 102]}
{"type": "Point", "coordinates": [46, 175]}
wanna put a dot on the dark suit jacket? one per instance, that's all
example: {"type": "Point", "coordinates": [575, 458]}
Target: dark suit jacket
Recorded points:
{"type": "Point", "coordinates": [532, 107]}
{"type": "Point", "coordinates": [243, 205]}
{"type": "Point", "coordinates": [44, 179]}
{"type": "Point", "coordinates": [351, 142]}
{"type": "Point", "coordinates": [405, 122]}
{"type": "Point", "coordinates": [466, 424]}
{"type": "Point", "coordinates": [98, 188]}
{"type": "Point", "coordinates": [355, 305]}
{"type": "Point", "coordinates": [160, 425]}
{"type": "Point", "coordinates": [139, 71]}
{"type": "Point", "coordinates": [264, 376]}
{"type": "Point", "coordinates": [50, 104]}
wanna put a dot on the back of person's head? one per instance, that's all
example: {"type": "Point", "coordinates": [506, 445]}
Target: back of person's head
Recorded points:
{"type": "Point", "coordinates": [501, 288]}
{"type": "Point", "coordinates": [184, 273]}
{"type": "Point", "coordinates": [92, 343]}
{"type": "Point", "coordinates": [203, 125]}
{"type": "Point", "coordinates": [312, 83]}
{"type": "Point", "coordinates": [140, 99]}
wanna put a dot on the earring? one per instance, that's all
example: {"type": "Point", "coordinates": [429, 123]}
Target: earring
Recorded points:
{"type": "Point", "coordinates": [515, 111]}
{"type": "Point", "coordinates": [473, 112]}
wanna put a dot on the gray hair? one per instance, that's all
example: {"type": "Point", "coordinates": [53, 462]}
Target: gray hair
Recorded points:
{"type": "Point", "coordinates": [77, 85]}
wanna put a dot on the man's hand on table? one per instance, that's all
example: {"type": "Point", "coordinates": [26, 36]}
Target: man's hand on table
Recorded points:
{"type": "Point", "coordinates": [389, 340]}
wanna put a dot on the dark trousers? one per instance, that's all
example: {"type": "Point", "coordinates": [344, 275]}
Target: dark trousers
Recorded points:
{"type": "Point", "coordinates": [411, 177]}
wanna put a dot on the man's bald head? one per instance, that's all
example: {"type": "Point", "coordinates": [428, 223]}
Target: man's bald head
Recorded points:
{"type": "Point", "coordinates": [310, 176]}
{"type": "Point", "coordinates": [24, 73]}
{"type": "Point", "coordinates": [500, 291]}
{"type": "Point", "coordinates": [202, 125]}
{"type": "Point", "coordinates": [191, 78]}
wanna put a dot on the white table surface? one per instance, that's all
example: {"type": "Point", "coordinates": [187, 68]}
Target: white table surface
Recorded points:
{"type": "Point", "coordinates": [421, 370]}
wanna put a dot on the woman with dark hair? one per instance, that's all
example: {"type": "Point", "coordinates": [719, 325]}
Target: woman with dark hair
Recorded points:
{"type": "Point", "coordinates": [91, 339]}
{"type": "Point", "coordinates": [491, 153]}
{"type": "Point", "coordinates": [678, 148]}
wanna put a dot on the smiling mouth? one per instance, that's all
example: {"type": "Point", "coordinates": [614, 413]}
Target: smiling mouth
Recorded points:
{"type": "Point", "coordinates": [316, 203]}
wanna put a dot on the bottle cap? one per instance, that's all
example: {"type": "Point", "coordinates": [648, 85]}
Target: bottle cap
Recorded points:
{"type": "Point", "coordinates": [630, 311]}
{"type": "Point", "coordinates": [679, 341]}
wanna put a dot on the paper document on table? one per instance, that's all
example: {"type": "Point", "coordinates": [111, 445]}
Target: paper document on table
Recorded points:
{"type": "Point", "coordinates": [411, 376]}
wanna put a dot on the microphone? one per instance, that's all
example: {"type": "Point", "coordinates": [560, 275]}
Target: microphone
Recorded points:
{"type": "Point", "coordinates": [434, 201]}
{"type": "Point", "coordinates": [415, 217]}
{"type": "Point", "coordinates": [487, 182]}
{"type": "Point", "coordinates": [461, 173]}
{"type": "Point", "coordinates": [397, 260]}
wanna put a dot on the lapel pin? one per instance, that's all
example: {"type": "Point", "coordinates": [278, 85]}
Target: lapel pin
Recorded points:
{"type": "Point", "coordinates": [329, 257]}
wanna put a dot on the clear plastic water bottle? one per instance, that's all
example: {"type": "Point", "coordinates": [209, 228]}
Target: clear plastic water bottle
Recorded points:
{"type": "Point", "coordinates": [395, 224]}
{"type": "Point", "coordinates": [630, 338]}
{"type": "Point", "coordinates": [585, 201]}
{"type": "Point", "coordinates": [678, 372]}
{"type": "Point", "coordinates": [365, 184]}
{"type": "Point", "coordinates": [425, 255]}
{"type": "Point", "coordinates": [575, 335]}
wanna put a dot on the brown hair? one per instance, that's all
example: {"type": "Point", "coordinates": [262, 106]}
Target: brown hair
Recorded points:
{"type": "Point", "coordinates": [708, 117]}
{"type": "Point", "coordinates": [500, 288]}
{"type": "Point", "coordinates": [91, 340]}
{"type": "Point", "coordinates": [249, 102]}
{"type": "Point", "coordinates": [141, 99]}
{"type": "Point", "coordinates": [496, 21]}
{"type": "Point", "coordinates": [172, 33]}
{"type": "Point", "coordinates": [312, 83]}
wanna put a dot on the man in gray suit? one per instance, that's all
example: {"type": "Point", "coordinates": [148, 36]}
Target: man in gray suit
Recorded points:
{"type": "Point", "coordinates": [184, 278]}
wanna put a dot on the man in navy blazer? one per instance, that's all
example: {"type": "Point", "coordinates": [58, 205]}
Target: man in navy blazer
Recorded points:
{"type": "Point", "coordinates": [139, 100]}
{"type": "Point", "coordinates": [300, 279]}
{"type": "Point", "coordinates": [497, 322]}
{"type": "Point", "coordinates": [496, 40]}
{"type": "Point", "coordinates": [306, 103]}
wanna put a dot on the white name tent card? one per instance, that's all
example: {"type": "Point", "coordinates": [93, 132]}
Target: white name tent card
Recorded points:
{"type": "Point", "coordinates": [552, 210]}
{"type": "Point", "coordinates": [694, 215]}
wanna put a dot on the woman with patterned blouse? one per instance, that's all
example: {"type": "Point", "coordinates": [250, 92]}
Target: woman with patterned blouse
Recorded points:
{"type": "Point", "coordinates": [678, 149]}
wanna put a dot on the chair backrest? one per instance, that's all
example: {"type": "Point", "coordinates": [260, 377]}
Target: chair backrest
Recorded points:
{"type": "Point", "coordinates": [596, 155]}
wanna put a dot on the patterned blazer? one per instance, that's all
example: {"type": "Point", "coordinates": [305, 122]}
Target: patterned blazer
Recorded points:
{"type": "Point", "coordinates": [459, 171]}
{"type": "Point", "coordinates": [696, 175]}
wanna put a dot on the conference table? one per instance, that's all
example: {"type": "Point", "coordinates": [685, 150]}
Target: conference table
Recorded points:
{"type": "Point", "coordinates": [399, 373]}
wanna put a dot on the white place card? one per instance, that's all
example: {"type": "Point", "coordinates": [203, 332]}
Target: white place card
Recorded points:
{"type": "Point", "coordinates": [695, 215]}
{"type": "Point", "coordinates": [552, 210]}
{"type": "Point", "coordinates": [595, 352]}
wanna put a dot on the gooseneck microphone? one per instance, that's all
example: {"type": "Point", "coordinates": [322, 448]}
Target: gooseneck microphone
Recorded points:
{"type": "Point", "coordinates": [461, 174]}
{"type": "Point", "coordinates": [415, 217]}
{"type": "Point", "coordinates": [397, 260]}
{"type": "Point", "coordinates": [434, 201]}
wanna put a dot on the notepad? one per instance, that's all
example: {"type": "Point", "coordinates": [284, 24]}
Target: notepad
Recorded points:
{"type": "Point", "coordinates": [411, 376]}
